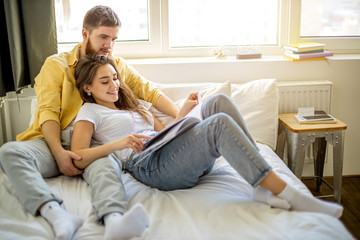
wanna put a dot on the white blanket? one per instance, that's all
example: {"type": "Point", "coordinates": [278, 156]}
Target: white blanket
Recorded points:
{"type": "Point", "coordinates": [219, 207]}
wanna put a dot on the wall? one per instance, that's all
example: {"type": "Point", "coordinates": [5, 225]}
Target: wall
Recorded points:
{"type": "Point", "coordinates": [343, 71]}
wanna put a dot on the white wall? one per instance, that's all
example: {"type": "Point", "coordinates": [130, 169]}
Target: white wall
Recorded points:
{"type": "Point", "coordinates": [343, 71]}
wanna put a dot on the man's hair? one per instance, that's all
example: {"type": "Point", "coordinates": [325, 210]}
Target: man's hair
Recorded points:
{"type": "Point", "coordinates": [100, 16]}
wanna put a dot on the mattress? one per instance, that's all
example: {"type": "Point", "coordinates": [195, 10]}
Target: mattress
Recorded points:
{"type": "Point", "coordinates": [218, 207]}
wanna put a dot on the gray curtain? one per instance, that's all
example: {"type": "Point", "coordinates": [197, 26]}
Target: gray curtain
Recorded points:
{"type": "Point", "coordinates": [29, 36]}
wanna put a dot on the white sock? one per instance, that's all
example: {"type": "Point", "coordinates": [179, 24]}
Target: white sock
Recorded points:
{"type": "Point", "coordinates": [301, 202]}
{"type": "Point", "coordinates": [263, 195]}
{"type": "Point", "coordinates": [64, 224]}
{"type": "Point", "coordinates": [132, 224]}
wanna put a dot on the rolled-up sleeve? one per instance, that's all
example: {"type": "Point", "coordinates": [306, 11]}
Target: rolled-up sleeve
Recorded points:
{"type": "Point", "coordinates": [48, 85]}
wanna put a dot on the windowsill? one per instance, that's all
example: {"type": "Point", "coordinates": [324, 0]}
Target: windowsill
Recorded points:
{"type": "Point", "coordinates": [230, 59]}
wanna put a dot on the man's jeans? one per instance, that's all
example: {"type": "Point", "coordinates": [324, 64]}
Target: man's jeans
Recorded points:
{"type": "Point", "coordinates": [180, 163]}
{"type": "Point", "coordinates": [27, 163]}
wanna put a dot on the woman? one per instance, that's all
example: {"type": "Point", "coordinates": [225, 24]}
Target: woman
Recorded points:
{"type": "Point", "coordinates": [122, 123]}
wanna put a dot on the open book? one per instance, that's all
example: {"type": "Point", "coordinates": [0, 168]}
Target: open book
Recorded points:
{"type": "Point", "coordinates": [171, 131]}
{"type": "Point", "coordinates": [319, 117]}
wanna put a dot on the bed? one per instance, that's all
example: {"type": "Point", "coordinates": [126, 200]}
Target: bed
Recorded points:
{"type": "Point", "coordinates": [218, 207]}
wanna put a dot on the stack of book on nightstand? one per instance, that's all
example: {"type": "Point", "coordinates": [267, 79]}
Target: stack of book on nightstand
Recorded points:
{"type": "Point", "coordinates": [320, 117]}
{"type": "Point", "coordinates": [306, 51]}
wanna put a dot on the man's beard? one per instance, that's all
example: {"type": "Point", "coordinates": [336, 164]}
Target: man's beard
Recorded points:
{"type": "Point", "coordinates": [90, 50]}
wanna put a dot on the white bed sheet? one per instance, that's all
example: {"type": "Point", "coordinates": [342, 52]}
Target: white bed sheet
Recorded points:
{"type": "Point", "coordinates": [219, 207]}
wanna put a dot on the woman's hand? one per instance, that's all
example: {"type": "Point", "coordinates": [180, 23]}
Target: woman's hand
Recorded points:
{"type": "Point", "coordinates": [133, 141]}
{"type": "Point", "coordinates": [81, 142]}
{"type": "Point", "coordinates": [188, 105]}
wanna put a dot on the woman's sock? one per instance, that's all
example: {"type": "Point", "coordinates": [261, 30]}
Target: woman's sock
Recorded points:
{"type": "Point", "coordinates": [64, 224]}
{"type": "Point", "coordinates": [302, 202]}
{"type": "Point", "coordinates": [132, 224]}
{"type": "Point", "coordinates": [263, 195]}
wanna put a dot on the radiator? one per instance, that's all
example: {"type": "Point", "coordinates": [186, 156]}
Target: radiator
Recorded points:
{"type": "Point", "coordinates": [15, 114]}
{"type": "Point", "coordinates": [295, 94]}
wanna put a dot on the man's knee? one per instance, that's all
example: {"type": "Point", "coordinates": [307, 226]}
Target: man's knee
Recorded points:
{"type": "Point", "coordinates": [8, 151]}
{"type": "Point", "coordinates": [9, 147]}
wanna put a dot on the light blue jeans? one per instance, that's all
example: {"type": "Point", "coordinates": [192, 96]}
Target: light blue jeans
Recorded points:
{"type": "Point", "coordinates": [180, 163]}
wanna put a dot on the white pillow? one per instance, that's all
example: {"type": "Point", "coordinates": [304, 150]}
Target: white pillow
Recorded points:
{"type": "Point", "coordinates": [178, 92]}
{"type": "Point", "coordinates": [258, 103]}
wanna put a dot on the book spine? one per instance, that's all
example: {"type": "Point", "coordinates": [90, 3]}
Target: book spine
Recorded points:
{"type": "Point", "coordinates": [304, 47]}
{"type": "Point", "coordinates": [307, 59]}
{"type": "Point", "coordinates": [310, 55]}
{"type": "Point", "coordinates": [302, 50]}
{"type": "Point", "coordinates": [295, 52]}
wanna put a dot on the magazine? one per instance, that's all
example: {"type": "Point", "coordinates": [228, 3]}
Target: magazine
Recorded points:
{"type": "Point", "coordinates": [171, 131]}
{"type": "Point", "coordinates": [320, 117]}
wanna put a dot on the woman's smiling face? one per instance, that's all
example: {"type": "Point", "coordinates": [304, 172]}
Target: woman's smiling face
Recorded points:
{"type": "Point", "coordinates": [105, 86]}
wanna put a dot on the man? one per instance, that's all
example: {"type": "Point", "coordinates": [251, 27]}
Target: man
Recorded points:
{"type": "Point", "coordinates": [42, 150]}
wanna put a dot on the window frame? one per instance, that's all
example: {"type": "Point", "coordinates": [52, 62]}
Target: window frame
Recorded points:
{"type": "Point", "coordinates": [158, 44]}
{"type": "Point", "coordinates": [334, 44]}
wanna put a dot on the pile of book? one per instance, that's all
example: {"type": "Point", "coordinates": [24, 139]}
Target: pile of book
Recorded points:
{"type": "Point", "coordinates": [306, 51]}
{"type": "Point", "coordinates": [320, 117]}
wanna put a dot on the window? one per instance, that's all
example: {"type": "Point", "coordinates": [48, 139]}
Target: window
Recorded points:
{"type": "Point", "coordinates": [227, 22]}
{"type": "Point", "coordinates": [333, 22]}
{"type": "Point", "coordinates": [133, 16]}
{"type": "Point", "coordinates": [336, 18]}
{"type": "Point", "coordinates": [163, 28]}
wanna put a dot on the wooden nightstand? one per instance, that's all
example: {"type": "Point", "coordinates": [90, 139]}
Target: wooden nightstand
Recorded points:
{"type": "Point", "coordinates": [300, 136]}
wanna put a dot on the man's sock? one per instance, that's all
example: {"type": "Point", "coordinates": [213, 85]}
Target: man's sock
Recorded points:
{"type": "Point", "coordinates": [64, 224]}
{"type": "Point", "coordinates": [132, 224]}
{"type": "Point", "coordinates": [263, 195]}
{"type": "Point", "coordinates": [302, 202]}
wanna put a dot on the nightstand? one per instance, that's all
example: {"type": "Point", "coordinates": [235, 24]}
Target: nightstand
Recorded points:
{"type": "Point", "coordinates": [299, 137]}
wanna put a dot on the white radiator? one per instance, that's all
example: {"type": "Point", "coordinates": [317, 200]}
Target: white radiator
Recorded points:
{"type": "Point", "coordinates": [15, 114]}
{"type": "Point", "coordinates": [295, 94]}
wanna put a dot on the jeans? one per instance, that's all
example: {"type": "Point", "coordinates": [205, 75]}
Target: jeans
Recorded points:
{"type": "Point", "coordinates": [27, 163]}
{"type": "Point", "coordinates": [180, 163]}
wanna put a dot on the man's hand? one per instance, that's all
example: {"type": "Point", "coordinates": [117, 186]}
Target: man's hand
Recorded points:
{"type": "Point", "coordinates": [64, 160]}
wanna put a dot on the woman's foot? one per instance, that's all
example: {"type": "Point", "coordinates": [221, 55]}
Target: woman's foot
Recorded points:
{"type": "Point", "coordinates": [132, 224]}
{"type": "Point", "coordinates": [263, 195]}
{"type": "Point", "coordinates": [302, 202]}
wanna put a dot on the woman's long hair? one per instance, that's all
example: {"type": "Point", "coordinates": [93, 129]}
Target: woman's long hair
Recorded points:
{"type": "Point", "coordinates": [85, 72]}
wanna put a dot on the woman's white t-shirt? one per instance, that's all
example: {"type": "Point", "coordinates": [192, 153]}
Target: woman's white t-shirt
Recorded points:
{"type": "Point", "coordinates": [112, 124]}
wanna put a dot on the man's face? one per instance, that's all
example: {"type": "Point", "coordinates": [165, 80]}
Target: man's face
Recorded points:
{"type": "Point", "coordinates": [101, 40]}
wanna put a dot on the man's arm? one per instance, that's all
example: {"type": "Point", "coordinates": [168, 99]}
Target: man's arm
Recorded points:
{"type": "Point", "coordinates": [63, 157]}
{"type": "Point", "coordinates": [167, 106]}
